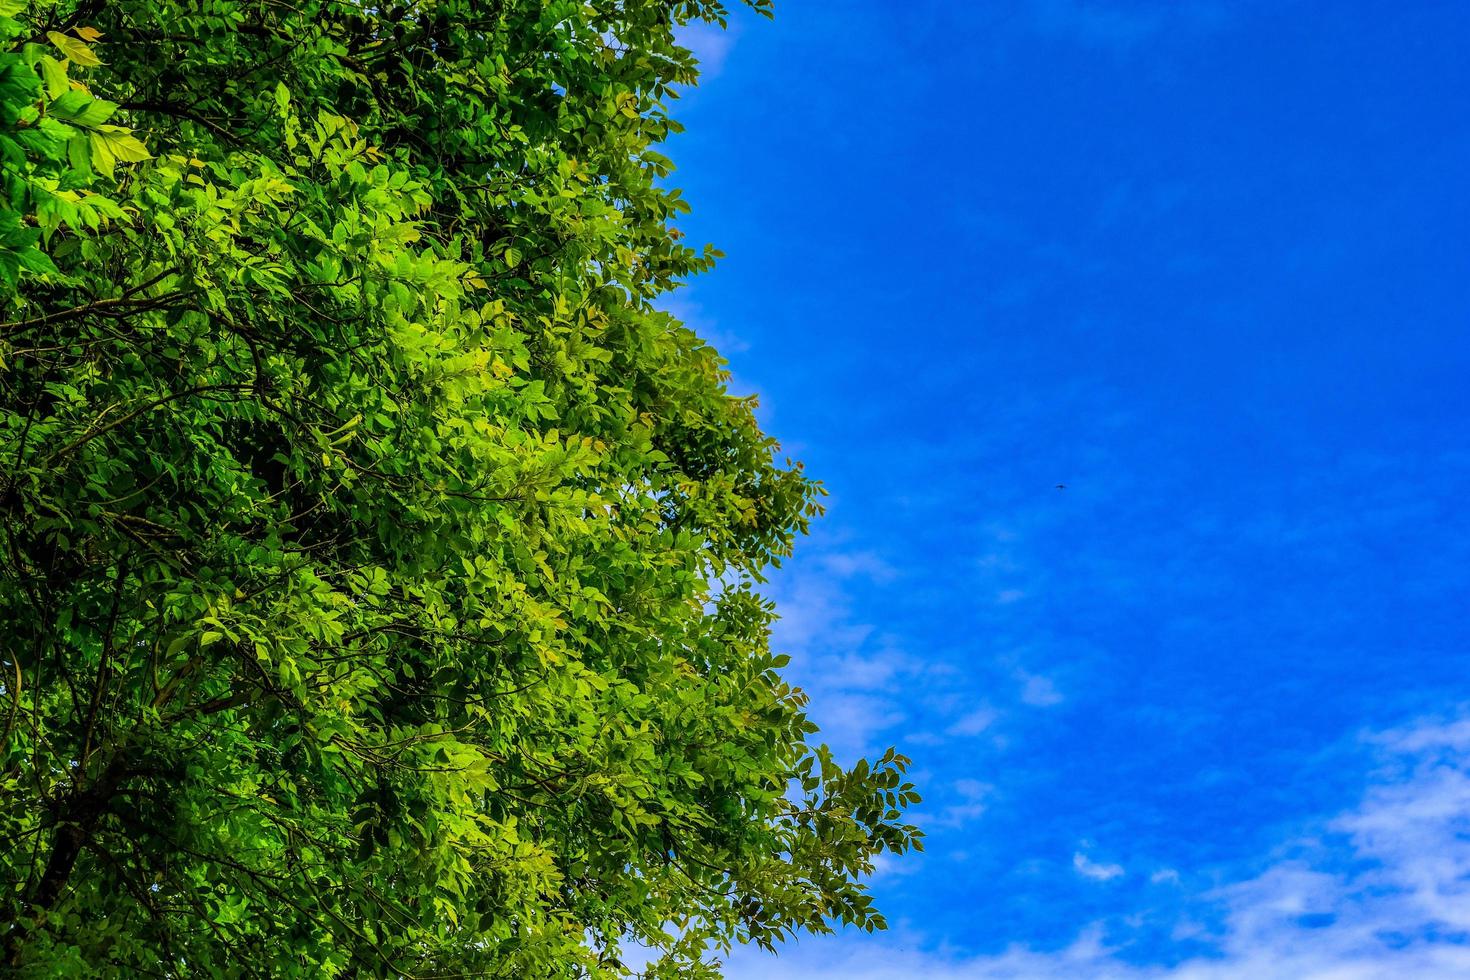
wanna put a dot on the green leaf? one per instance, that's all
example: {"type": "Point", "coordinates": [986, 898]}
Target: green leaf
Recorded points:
{"type": "Point", "coordinates": [35, 260]}
{"type": "Point", "coordinates": [80, 109]}
{"type": "Point", "coordinates": [54, 74]}
{"type": "Point", "coordinates": [79, 154]}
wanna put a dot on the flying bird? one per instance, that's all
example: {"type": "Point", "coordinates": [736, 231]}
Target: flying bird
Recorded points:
{"type": "Point", "coordinates": [1061, 486]}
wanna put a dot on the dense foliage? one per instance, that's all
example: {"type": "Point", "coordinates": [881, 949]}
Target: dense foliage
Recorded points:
{"type": "Point", "coordinates": [377, 592]}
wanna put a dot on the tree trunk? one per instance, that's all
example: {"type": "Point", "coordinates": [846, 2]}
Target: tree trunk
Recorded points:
{"type": "Point", "coordinates": [76, 822]}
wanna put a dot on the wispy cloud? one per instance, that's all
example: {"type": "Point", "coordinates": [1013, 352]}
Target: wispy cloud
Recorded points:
{"type": "Point", "coordinates": [693, 315]}
{"type": "Point", "coordinates": [846, 564]}
{"type": "Point", "coordinates": [854, 672]}
{"type": "Point", "coordinates": [710, 44]}
{"type": "Point", "coordinates": [974, 723]}
{"type": "Point", "coordinates": [973, 796]}
{"type": "Point", "coordinates": [1380, 890]}
{"type": "Point", "coordinates": [1096, 870]}
{"type": "Point", "coordinates": [1039, 692]}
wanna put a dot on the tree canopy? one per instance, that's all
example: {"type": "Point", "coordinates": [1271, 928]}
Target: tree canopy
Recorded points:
{"type": "Point", "coordinates": [379, 593]}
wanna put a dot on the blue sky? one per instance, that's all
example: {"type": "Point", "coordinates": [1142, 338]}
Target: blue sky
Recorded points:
{"type": "Point", "coordinates": [1203, 712]}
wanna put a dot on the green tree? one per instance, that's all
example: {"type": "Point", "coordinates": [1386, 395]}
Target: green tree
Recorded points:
{"type": "Point", "coordinates": [378, 591]}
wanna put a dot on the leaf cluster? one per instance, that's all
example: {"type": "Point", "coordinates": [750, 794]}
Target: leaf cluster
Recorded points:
{"type": "Point", "coordinates": [379, 591]}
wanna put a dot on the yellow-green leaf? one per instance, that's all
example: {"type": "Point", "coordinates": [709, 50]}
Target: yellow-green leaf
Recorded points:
{"type": "Point", "coordinates": [103, 159]}
{"type": "Point", "coordinates": [54, 74]}
{"type": "Point", "coordinates": [78, 51]}
{"type": "Point", "coordinates": [114, 144]}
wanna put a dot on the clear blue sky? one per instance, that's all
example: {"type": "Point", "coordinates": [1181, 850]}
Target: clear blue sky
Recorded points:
{"type": "Point", "coordinates": [1201, 713]}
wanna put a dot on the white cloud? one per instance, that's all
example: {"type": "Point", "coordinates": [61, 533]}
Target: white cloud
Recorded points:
{"type": "Point", "coordinates": [868, 672]}
{"type": "Point", "coordinates": [710, 43]}
{"type": "Point", "coordinates": [852, 671]}
{"type": "Point", "coordinates": [974, 723]}
{"type": "Point", "coordinates": [815, 614]}
{"type": "Point", "coordinates": [1039, 692]}
{"type": "Point", "coordinates": [973, 795]}
{"type": "Point", "coordinates": [691, 313]}
{"type": "Point", "coordinates": [851, 721]}
{"type": "Point", "coordinates": [847, 564]}
{"type": "Point", "coordinates": [1379, 891]}
{"type": "Point", "coordinates": [1095, 870]}
{"type": "Point", "coordinates": [887, 865]}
